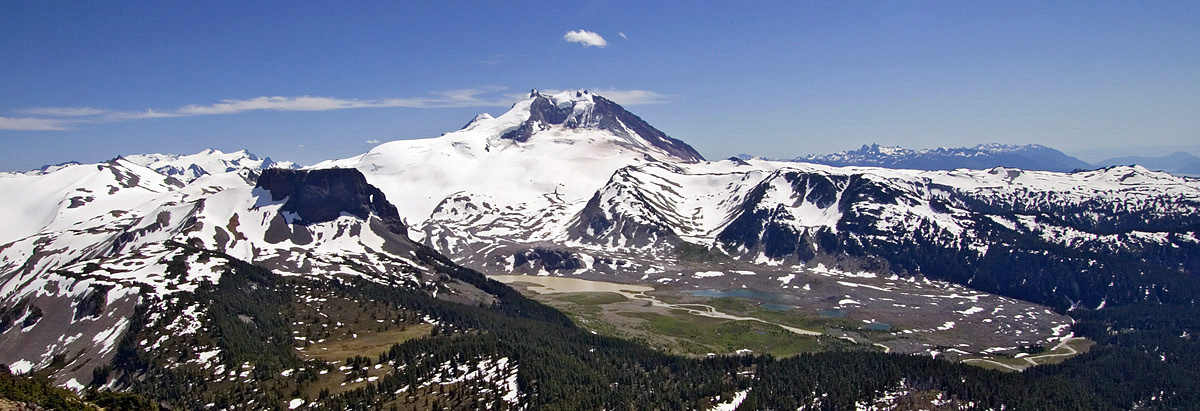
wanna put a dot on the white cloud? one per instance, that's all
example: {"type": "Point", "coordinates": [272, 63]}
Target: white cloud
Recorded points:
{"type": "Point", "coordinates": [474, 97]}
{"type": "Point", "coordinates": [372, 141]}
{"type": "Point", "coordinates": [622, 34]}
{"type": "Point", "coordinates": [62, 118]}
{"type": "Point", "coordinates": [232, 106]}
{"type": "Point", "coordinates": [64, 111]}
{"type": "Point", "coordinates": [586, 38]}
{"type": "Point", "coordinates": [33, 123]}
{"type": "Point", "coordinates": [50, 118]}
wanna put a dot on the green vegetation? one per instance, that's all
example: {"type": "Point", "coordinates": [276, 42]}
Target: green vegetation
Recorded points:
{"type": "Point", "coordinates": [593, 298]}
{"type": "Point", "coordinates": [1141, 352]}
{"type": "Point", "coordinates": [247, 315]}
{"type": "Point", "coordinates": [839, 380]}
{"type": "Point", "coordinates": [20, 392]}
{"type": "Point", "coordinates": [680, 332]}
{"type": "Point", "coordinates": [369, 343]}
{"type": "Point", "coordinates": [355, 349]}
{"type": "Point", "coordinates": [792, 318]}
{"type": "Point", "coordinates": [114, 401]}
{"type": "Point", "coordinates": [698, 253]}
{"type": "Point", "coordinates": [698, 335]}
{"type": "Point", "coordinates": [38, 391]}
{"type": "Point", "coordinates": [565, 366]}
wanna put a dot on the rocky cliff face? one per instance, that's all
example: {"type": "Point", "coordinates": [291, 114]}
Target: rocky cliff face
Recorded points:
{"type": "Point", "coordinates": [141, 251]}
{"type": "Point", "coordinates": [318, 196]}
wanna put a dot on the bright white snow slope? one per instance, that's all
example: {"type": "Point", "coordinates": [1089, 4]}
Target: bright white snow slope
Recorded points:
{"type": "Point", "coordinates": [207, 162]}
{"type": "Point", "coordinates": [558, 163]}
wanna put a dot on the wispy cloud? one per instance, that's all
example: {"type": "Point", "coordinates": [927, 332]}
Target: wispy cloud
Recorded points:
{"type": "Point", "coordinates": [32, 123]}
{"type": "Point", "coordinates": [63, 111]}
{"type": "Point", "coordinates": [586, 38]}
{"type": "Point", "coordinates": [372, 141]}
{"type": "Point", "coordinates": [233, 106]}
{"type": "Point", "coordinates": [475, 97]}
{"type": "Point", "coordinates": [622, 34]}
{"type": "Point", "coordinates": [63, 118]}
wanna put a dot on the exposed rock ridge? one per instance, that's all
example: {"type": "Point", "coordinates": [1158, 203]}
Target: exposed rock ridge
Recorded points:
{"type": "Point", "coordinates": [318, 196]}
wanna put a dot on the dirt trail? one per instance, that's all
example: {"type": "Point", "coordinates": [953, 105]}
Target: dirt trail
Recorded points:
{"type": "Point", "coordinates": [1030, 360]}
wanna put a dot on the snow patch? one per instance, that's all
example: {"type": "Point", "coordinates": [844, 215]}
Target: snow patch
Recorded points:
{"type": "Point", "coordinates": [733, 403]}
{"type": "Point", "coordinates": [21, 367]}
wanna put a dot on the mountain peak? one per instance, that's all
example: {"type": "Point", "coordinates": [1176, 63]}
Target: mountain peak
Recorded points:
{"type": "Point", "coordinates": [548, 147]}
{"type": "Point", "coordinates": [582, 109]}
{"type": "Point", "coordinates": [559, 96]}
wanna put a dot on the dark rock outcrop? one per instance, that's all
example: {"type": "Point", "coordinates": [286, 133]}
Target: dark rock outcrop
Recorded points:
{"type": "Point", "coordinates": [551, 260]}
{"type": "Point", "coordinates": [318, 196]}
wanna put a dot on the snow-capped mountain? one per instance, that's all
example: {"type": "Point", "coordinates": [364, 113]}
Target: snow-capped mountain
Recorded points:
{"type": "Point", "coordinates": [207, 162]}
{"type": "Point", "coordinates": [546, 150]}
{"type": "Point", "coordinates": [40, 170]}
{"type": "Point", "coordinates": [58, 199]}
{"type": "Point", "coordinates": [948, 225]}
{"type": "Point", "coordinates": [520, 193]}
{"type": "Point", "coordinates": [1025, 157]}
{"type": "Point", "coordinates": [115, 238]}
{"type": "Point", "coordinates": [573, 193]}
{"type": "Point", "coordinates": [641, 224]}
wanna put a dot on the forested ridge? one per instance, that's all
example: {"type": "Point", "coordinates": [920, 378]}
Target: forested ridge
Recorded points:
{"type": "Point", "coordinates": [1144, 358]}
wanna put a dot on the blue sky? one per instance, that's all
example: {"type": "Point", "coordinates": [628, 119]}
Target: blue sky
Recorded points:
{"type": "Point", "coordinates": [307, 81]}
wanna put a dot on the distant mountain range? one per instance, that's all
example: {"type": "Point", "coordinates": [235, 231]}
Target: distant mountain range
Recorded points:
{"type": "Point", "coordinates": [983, 156]}
{"type": "Point", "coordinates": [186, 168]}
{"type": "Point", "coordinates": [207, 162]}
{"type": "Point", "coordinates": [1025, 157]}
{"type": "Point", "coordinates": [1179, 163]}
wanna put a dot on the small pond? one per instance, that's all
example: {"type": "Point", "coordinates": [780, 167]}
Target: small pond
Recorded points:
{"type": "Point", "coordinates": [744, 293]}
{"type": "Point", "coordinates": [835, 313]}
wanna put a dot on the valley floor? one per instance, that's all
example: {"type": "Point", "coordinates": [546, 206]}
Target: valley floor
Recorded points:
{"type": "Point", "coordinates": [684, 320]}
